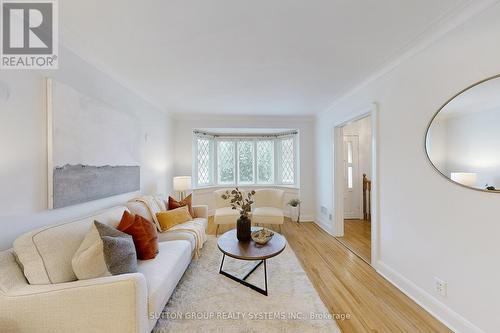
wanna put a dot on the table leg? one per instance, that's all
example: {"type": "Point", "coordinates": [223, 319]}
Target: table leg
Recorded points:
{"type": "Point", "coordinates": [242, 281]}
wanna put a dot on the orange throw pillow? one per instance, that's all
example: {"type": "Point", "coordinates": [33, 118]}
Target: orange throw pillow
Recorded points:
{"type": "Point", "coordinates": [143, 233]}
{"type": "Point", "coordinates": [187, 201]}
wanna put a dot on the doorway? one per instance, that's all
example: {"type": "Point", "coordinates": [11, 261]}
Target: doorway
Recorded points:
{"type": "Point", "coordinates": [352, 208]}
{"type": "Point", "coordinates": [354, 168]}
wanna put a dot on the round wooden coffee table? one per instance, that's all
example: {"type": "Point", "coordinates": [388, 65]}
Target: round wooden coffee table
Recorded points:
{"type": "Point", "coordinates": [229, 245]}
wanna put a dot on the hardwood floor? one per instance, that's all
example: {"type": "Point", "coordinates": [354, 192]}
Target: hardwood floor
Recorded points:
{"type": "Point", "coordinates": [357, 237]}
{"type": "Point", "coordinates": [348, 285]}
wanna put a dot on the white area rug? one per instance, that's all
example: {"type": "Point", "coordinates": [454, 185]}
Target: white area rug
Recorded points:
{"type": "Point", "coordinates": [206, 301]}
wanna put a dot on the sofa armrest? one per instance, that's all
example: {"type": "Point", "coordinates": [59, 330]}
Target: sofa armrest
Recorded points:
{"type": "Point", "coordinates": [201, 211]}
{"type": "Point", "coordinates": [109, 304]}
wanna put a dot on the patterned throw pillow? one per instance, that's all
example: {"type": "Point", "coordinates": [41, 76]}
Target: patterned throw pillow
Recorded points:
{"type": "Point", "coordinates": [143, 233]}
{"type": "Point", "coordinates": [104, 251]}
{"type": "Point", "coordinates": [173, 217]}
{"type": "Point", "coordinates": [187, 201]}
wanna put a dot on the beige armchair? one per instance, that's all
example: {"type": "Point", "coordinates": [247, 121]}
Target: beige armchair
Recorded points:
{"type": "Point", "coordinates": [224, 213]}
{"type": "Point", "coordinates": [268, 207]}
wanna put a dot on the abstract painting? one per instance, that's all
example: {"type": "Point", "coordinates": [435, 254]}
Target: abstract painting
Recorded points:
{"type": "Point", "coordinates": [94, 148]}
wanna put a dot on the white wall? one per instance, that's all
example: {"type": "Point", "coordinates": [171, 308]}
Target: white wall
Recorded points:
{"type": "Point", "coordinates": [184, 126]}
{"type": "Point", "coordinates": [23, 144]}
{"type": "Point", "coordinates": [429, 227]}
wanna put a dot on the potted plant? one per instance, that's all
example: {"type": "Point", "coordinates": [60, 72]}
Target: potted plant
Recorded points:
{"type": "Point", "coordinates": [294, 209]}
{"type": "Point", "coordinates": [243, 204]}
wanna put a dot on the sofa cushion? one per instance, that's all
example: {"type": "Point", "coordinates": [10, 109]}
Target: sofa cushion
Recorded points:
{"type": "Point", "coordinates": [183, 235]}
{"type": "Point", "coordinates": [226, 215]}
{"type": "Point", "coordinates": [143, 233]}
{"type": "Point", "coordinates": [46, 253]}
{"type": "Point", "coordinates": [164, 272]}
{"type": "Point", "coordinates": [267, 215]}
{"type": "Point", "coordinates": [104, 251]}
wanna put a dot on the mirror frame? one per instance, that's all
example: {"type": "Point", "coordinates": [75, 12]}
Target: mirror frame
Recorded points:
{"type": "Point", "coordinates": [429, 127]}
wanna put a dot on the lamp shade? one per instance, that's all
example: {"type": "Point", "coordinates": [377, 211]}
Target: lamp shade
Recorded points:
{"type": "Point", "coordinates": [464, 178]}
{"type": "Point", "coordinates": [182, 183]}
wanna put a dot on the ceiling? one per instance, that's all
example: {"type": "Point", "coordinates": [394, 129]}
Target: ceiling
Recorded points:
{"type": "Point", "coordinates": [266, 57]}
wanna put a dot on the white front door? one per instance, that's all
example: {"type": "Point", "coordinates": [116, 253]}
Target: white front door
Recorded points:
{"type": "Point", "coordinates": [352, 187]}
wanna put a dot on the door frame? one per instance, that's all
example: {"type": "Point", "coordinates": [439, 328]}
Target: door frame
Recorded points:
{"type": "Point", "coordinates": [338, 176]}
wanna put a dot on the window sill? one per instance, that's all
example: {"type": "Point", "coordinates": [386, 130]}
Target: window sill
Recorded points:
{"type": "Point", "coordinates": [217, 187]}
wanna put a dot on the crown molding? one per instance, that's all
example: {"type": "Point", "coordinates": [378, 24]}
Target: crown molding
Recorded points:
{"type": "Point", "coordinates": [433, 32]}
{"type": "Point", "coordinates": [197, 116]}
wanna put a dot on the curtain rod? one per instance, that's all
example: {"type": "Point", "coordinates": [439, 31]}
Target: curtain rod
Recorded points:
{"type": "Point", "coordinates": [245, 135]}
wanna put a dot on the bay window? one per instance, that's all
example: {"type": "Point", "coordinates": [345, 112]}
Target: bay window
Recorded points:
{"type": "Point", "coordinates": [239, 160]}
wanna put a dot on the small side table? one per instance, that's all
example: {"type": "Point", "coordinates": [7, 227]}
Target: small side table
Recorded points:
{"type": "Point", "coordinates": [229, 245]}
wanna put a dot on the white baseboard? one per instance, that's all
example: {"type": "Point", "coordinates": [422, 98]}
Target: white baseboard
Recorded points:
{"type": "Point", "coordinates": [306, 218]}
{"type": "Point", "coordinates": [324, 225]}
{"type": "Point", "coordinates": [431, 304]}
{"type": "Point", "coordinates": [440, 311]}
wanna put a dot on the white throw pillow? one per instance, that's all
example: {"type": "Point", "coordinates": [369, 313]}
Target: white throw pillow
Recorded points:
{"type": "Point", "coordinates": [104, 251]}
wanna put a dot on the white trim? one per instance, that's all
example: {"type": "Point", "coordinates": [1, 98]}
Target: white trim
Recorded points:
{"type": "Point", "coordinates": [338, 183]}
{"type": "Point", "coordinates": [327, 227]}
{"type": "Point", "coordinates": [241, 118]}
{"type": "Point", "coordinates": [50, 144]}
{"type": "Point", "coordinates": [210, 189]}
{"type": "Point", "coordinates": [440, 311]}
{"type": "Point", "coordinates": [306, 218]}
{"type": "Point", "coordinates": [446, 24]}
{"type": "Point", "coordinates": [441, 27]}
{"type": "Point", "coordinates": [375, 193]}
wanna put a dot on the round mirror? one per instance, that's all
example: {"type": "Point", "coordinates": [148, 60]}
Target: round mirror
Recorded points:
{"type": "Point", "coordinates": [463, 138]}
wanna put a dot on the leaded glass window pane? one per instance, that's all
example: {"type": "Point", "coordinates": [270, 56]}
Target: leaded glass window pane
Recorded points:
{"type": "Point", "coordinates": [265, 162]}
{"type": "Point", "coordinates": [225, 165]}
{"type": "Point", "coordinates": [287, 161]}
{"type": "Point", "coordinates": [245, 162]}
{"type": "Point", "coordinates": [204, 174]}
{"type": "Point", "coordinates": [242, 160]}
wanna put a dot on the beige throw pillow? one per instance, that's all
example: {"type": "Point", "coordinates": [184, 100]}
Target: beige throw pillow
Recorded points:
{"type": "Point", "coordinates": [104, 251]}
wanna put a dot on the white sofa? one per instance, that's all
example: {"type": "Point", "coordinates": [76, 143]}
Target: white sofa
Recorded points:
{"type": "Point", "coordinates": [200, 215]}
{"type": "Point", "coordinates": [58, 302]}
